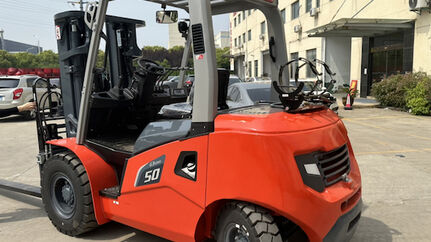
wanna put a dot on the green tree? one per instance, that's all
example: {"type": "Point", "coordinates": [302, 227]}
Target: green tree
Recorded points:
{"type": "Point", "coordinates": [26, 60]}
{"type": "Point", "coordinates": [164, 63]}
{"type": "Point", "coordinates": [100, 59]}
{"type": "Point", "coordinates": [223, 58]}
{"type": "Point", "coordinates": [6, 59]}
{"type": "Point", "coordinates": [47, 59]}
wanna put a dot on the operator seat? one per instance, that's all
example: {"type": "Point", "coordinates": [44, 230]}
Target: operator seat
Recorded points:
{"type": "Point", "coordinates": [184, 109]}
{"type": "Point", "coordinates": [164, 131]}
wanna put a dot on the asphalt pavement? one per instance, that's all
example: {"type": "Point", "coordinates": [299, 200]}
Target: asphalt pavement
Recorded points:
{"type": "Point", "coordinates": [393, 150]}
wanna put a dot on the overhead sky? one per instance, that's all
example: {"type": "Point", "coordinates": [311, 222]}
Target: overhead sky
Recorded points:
{"type": "Point", "coordinates": [30, 21]}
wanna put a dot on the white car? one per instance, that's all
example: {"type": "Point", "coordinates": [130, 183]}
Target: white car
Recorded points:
{"type": "Point", "coordinates": [17, 90]}
{"type": "Point", "coordinates": [250, 93]}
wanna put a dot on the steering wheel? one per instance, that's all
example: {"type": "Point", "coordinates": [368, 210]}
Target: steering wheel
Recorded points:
{"type": "Point", "coordinates": [151, 67]}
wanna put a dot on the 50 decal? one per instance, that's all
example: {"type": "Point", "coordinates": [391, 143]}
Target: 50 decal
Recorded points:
{"type": "Point", "coordinates": [150, 173]}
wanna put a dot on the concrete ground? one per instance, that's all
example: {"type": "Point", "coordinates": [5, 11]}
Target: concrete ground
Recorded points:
{"type": "Point", "coordinates": [393, 150]}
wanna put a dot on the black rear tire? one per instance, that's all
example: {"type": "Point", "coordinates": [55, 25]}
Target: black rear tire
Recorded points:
{"type": "Point", "coordinates": [243, 222]}
{"type": "Point", "coordinates": [66, 194]}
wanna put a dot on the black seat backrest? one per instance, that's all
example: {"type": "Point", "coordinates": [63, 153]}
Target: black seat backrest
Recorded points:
{"type": "Point", "coordinates": [223, 83]}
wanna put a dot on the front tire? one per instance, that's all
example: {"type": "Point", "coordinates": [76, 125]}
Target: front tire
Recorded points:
{"type": "Point", "coordinates": [243, 222]}
{"type": "Point", "coordinates": [66, 194]}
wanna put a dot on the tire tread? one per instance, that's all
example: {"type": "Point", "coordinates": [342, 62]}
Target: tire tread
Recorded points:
{"type": "Point", "coordinates": [88, 221]}
{"type": "Point", "coordinates": [260, 220]}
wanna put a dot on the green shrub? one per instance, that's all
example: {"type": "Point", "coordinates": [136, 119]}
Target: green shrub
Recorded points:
{"type": "Point", "coordinates": [392, 91]}
{"type": "Point", "coordinates": [418, 99]}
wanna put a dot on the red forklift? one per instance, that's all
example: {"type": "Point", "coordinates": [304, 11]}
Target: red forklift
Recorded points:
{"type": "Point", "coordinates": [277, 171]}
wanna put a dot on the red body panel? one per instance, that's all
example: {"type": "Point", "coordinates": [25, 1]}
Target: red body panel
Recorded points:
{"type": "Point", "coordinates": [249, 157]}
{"type": "Point", "coordinates": [100, 174]}
{"type": "Point", "coordinates": [170, 208]}
{"type": "Point", "coordinates": [255, 154]}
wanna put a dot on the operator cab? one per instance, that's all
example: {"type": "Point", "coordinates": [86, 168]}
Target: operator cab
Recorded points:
{"type": "Point", "coordinates": [129, 90]}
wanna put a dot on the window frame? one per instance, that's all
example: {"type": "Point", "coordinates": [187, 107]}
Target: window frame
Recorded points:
{"type": "Point", "coordinates": [308, 5]}
{"type": "Point", "coordinates": [309, 72]}
{"type": "Point", "coordinates": [294, 10]}
{"type": "Point", "coordinates": [293, 55]}
{"type": "Point", "coordinates": [283, 15]}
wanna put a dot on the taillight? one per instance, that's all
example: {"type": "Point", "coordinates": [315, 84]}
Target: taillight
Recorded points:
{"type": "Point", "coordinates": [17, 93]}
{"type": "Point", "coordinates": [188, 82]}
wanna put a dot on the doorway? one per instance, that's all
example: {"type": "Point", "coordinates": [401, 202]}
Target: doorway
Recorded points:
{"type": "Point", "coordinates": [386, 61]}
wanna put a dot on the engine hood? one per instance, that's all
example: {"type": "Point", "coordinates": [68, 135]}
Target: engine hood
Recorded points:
{"type": "Point", "coordinates": [265, 119]}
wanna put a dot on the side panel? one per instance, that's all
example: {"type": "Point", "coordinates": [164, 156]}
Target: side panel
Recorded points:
{"type": "Point", "coordinates": [156, 198]}
{"type": "Point", "coordinates": [261, 169]}
{"type": "Point", "coordinates": [100, 174]}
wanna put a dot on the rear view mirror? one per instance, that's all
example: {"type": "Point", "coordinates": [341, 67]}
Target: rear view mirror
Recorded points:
{"type": "Point", "coordinates": [166, 16]}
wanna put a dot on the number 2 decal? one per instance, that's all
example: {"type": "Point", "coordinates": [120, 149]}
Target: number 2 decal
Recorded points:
{"type": "Point", "coordinates": [150, 173]}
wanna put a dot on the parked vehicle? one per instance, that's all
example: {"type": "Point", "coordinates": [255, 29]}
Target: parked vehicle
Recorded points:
{"type": "Point", "coordinates": [234, 79]}
{"type": "Point", "coordinates": [17, 90]}
{"type": "Point", "coordinates": [258, 79]}
{"type": "Point", "coordinates": [250, 93]}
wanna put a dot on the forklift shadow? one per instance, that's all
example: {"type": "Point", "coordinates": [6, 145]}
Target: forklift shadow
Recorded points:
{"type": "Point", "coordinates": [114, 231]}
{"type": "Point", "coordinates": [373, 230]}
{"type": "Point", "coordinates": [22, 214]}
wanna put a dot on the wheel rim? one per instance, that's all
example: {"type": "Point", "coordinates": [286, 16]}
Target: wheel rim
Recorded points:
{"type": "Point", "coordinates": [63, 196]}
{"type": "Point", "coordinates": [236, 233]}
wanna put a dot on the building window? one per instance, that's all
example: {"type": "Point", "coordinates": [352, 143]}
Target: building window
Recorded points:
{"type": "Point", "coordinates": [263, 28]}
{"type": "Point", "coordinates": [256, 68]}
{"type": "Point", "coordinates": [239, 18]}
{"type": "Point", "coordinates": [249, 69]}
{"type": "Point", "coordinates": [295, 10]}
{"type": "Point", "coordinates": [239, 40]}
{"type": "Point", "coordinates": [293, 56]}
{"type": "Point", "coordinates": [249, 12]}
{"type": "Point", "coordinates": [249, 35]}
{"type": "Point", "coordinates": [236, 42]}
{"type": "Point", "coordinates": [311, 55]}
{"type": "Point", "coordinates": [308, 4]}
{"type": "Point", "coordinates": [317, 3]}
{"type": "Point", "coordinates": [243, 38]}
{"type": "Point", "coordinates": [283, 15]}
{"type": "Point", "coordinates": [243, 15]}
{"type": "Point", "coordinates": [234, 22]}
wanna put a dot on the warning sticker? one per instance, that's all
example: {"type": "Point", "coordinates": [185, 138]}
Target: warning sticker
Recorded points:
{"type": "Point", "coordinates": [58, 32]}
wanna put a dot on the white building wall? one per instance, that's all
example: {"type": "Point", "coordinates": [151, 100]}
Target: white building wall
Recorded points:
{"type": "Point", "coordinates": [222, 39]}
{"type": "Point", "coordinates": [175, 38]}
{"type": "Point", "coordinates": [330, 10]}
{"type": "Point", "coordinates": [422, 44]}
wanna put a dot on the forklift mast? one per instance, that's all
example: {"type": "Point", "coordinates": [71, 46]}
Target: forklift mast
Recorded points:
{"type": "Point", "coordinates": [73, 41]}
